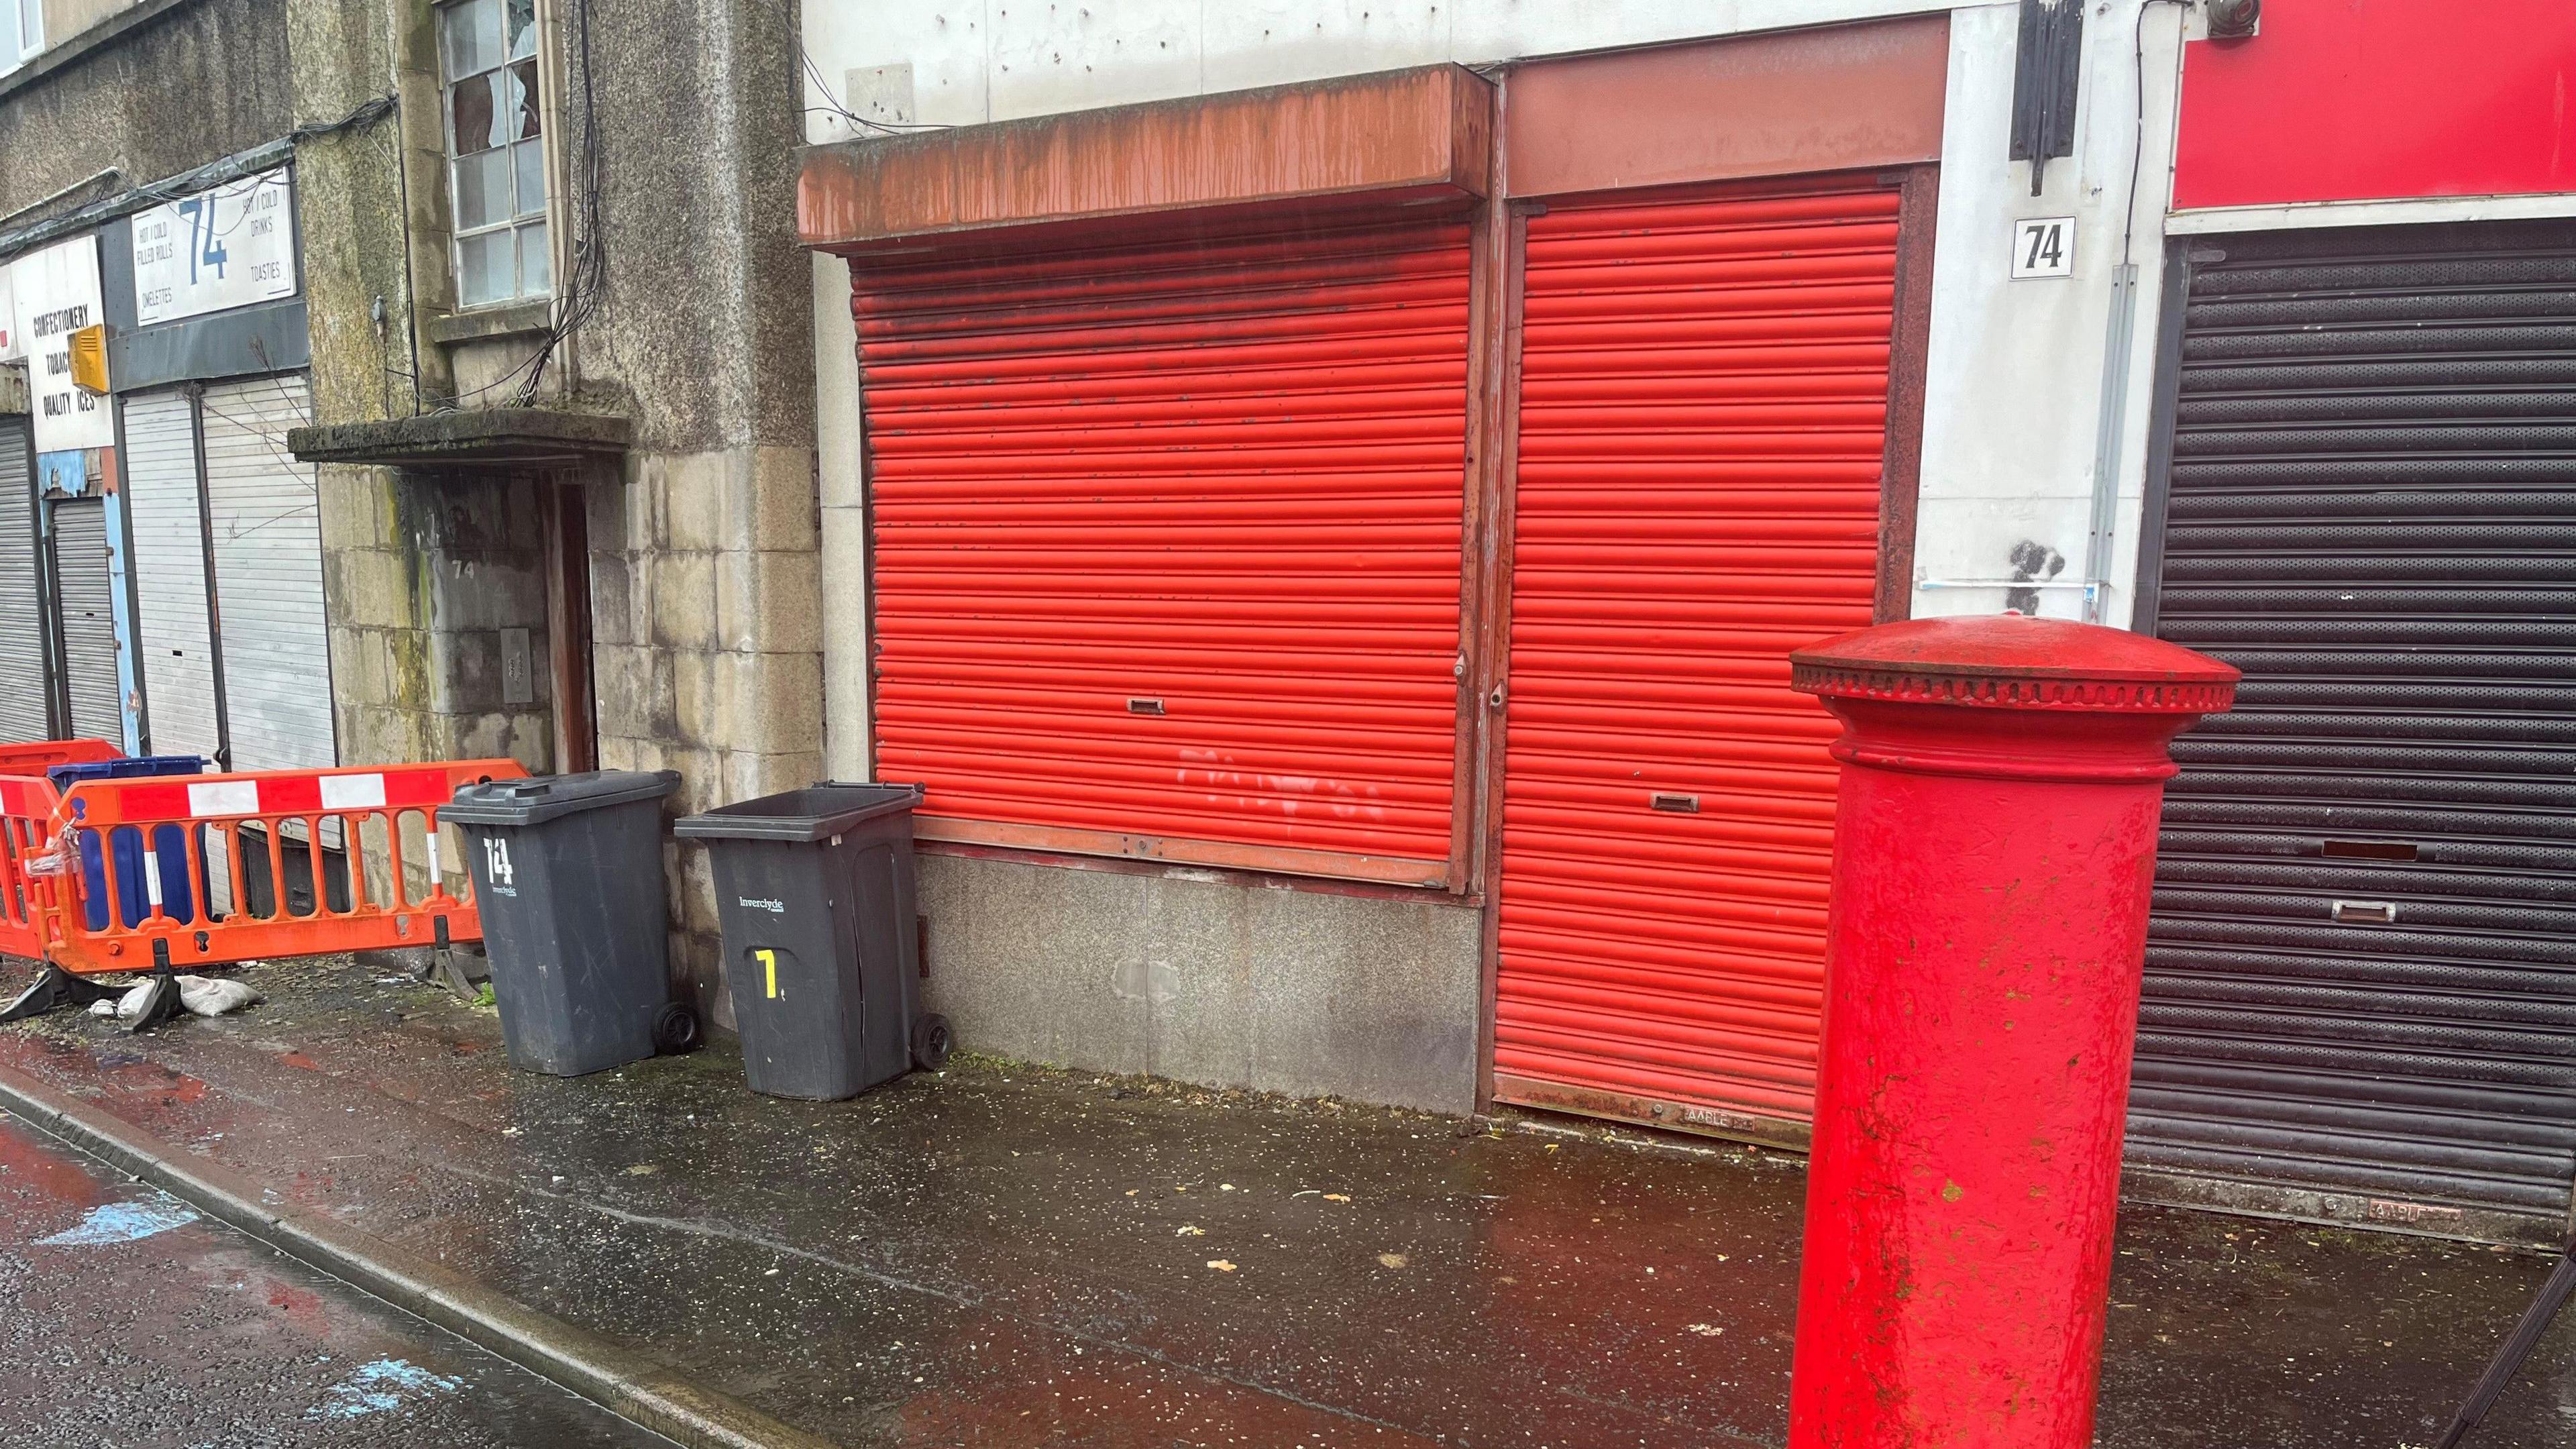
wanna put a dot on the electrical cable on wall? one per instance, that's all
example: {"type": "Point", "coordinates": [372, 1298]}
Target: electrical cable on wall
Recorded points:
{"type": "Point", "coordinates": [589, 256]}
{"type": "Point", "coordinates": [2138, 137]}
{"type": "Point", "coordinates": [833, 107]}
{"type": "Point", "coordinates": [187, 183]}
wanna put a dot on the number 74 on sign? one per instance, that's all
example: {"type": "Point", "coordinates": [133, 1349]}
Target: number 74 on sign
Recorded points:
{"type": "Point", "coordinates": [205, 247]}
{"type": "Point", "coordinates": [2043, 246]}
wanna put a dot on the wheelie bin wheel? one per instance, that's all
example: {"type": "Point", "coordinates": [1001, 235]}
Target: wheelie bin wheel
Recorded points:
{"type": "Point", "coordinates": [932, 1041]}
{"type": "Point", "coordinates": [675, 1029]}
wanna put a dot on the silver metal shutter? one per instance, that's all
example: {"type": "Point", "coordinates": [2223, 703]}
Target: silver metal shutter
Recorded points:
{"type": "Point", "coordinates": [2372, 511]}
{"type": "Point", "coordinates": [264, 506]}
{"type": "Point", "coordinates": [84, 594]}
{"type": "Point", "coordinates": [22, 619]}
{"type": "Point", "coordinates": [174, 633]}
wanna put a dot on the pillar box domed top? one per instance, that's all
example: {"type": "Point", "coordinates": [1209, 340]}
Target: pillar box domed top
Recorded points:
{"type": "Point", "coordinates": [2013, 662]}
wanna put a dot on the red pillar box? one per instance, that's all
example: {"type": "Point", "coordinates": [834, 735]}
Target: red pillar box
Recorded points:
{"type": "Point", "coordinates": [1994, 844]}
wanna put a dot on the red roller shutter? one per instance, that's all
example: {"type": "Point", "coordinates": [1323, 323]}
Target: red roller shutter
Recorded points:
{"type": "Point", "coordinates": [1166, 545]}
{"type": "Point", "coordinates": [1703, 411]}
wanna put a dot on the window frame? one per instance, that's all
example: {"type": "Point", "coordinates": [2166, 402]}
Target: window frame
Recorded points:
{"type": "Point", "coordinates": [515, 225]}
{"type": "Point", "coordinates": [19, 51]}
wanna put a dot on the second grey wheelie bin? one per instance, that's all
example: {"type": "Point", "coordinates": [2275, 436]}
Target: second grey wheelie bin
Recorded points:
{"type": "Point", "coordinates": [814, 894]}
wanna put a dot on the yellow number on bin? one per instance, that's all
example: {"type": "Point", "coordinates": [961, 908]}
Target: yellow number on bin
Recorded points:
{"type": "Point", "coordinates": [769, 963]}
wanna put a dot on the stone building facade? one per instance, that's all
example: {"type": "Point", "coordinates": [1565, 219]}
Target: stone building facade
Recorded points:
{"type": "Point", "coordinates": [571, 520]}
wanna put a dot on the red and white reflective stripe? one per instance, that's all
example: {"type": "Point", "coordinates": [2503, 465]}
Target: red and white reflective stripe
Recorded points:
{"type": "Point", "coordinates": [298, 794]}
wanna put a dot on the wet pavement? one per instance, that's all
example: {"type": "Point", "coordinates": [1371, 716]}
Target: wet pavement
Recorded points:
{"type": "Point", "coordinates": [128, 1320]}
{"type": "Point", "coordinates": [1007, 1256]}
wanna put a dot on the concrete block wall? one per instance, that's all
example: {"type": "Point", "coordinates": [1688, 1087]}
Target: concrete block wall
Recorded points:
{"type": "Point", "coordinates": [1198, 977]}
{"type": "Point", "coordinates": [423, 572]}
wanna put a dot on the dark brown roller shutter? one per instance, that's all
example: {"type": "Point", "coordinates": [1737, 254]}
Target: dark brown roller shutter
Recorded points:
{"type": "Point", "coordinates": [2361, 978]}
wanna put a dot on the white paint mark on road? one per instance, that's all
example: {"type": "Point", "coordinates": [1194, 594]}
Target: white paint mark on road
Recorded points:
{"type": "Point", "coordinates": [121, 1222]}
{"type": "Point", "coordinates": [380, 1387]}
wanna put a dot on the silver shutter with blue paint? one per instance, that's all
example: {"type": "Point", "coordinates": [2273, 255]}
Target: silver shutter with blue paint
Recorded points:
{"type": "Point", "coordinates": [84, 593]}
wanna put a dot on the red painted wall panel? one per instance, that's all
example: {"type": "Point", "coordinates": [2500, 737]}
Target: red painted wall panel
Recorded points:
{"type": "Point", "coordinates": [2355, 100]}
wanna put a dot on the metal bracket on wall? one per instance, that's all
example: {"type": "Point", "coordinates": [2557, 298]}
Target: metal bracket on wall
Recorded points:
{"type": "Point", "coordinates": [2090, 588]}
{"type": "Point", "coordinates": [2046, 63]}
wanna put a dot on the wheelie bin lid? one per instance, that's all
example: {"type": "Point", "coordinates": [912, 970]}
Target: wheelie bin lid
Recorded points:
{"type": "Point", "coordinates": [535, 801]}
{"type": "Point", "coordinates": [127, 767]}
{"type": "Point", "coordinates": [814, 813]}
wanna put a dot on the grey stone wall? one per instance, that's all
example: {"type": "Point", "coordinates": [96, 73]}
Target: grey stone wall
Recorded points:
{"type": "Point", "coordinates": [199, 83]}
{"type": "Point", "coordinates": [421, 570]}
{"type": "Point", "coordinates": [706, 595]}
{"type": "Point", "coordinates": [1207, 980]}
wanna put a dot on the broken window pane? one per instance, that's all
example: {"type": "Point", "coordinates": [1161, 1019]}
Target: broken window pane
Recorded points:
{"type": "Point", "coordinates": [522, 27]}
{"type": "Point", "coordinates": [470, 113]}
{"type": "Point", "coordinates": [523, 101]}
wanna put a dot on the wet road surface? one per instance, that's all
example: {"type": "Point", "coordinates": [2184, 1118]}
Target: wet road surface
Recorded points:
{"type": "Point", "coordinates": [1001, 1256]}
{"type": "Point", "coordinates": [127, 1320]}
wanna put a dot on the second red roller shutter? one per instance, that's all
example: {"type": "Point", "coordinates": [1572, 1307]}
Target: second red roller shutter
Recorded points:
{"type": "Point", "coordinates": [1704, 388]}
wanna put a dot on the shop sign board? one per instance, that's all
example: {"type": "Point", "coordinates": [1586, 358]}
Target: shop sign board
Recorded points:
{"type": "Point", "coordinates": [224, 247]}
{"type": "Point", "coordinates": [57, 295]}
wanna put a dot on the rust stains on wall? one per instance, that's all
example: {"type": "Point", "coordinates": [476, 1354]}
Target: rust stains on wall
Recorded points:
{"type": "Point", "coordinates": [1781, 104]}
{"type": "Point", "coordinates": [1426, 131]}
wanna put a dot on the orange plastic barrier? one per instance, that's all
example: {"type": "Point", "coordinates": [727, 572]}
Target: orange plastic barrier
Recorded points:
{"type": "Point", "coordinates": [249, 840]}
{"type": "Point", "coordinates": [28, 892]}
{"type": "Point", "coordinates": [35, 758]}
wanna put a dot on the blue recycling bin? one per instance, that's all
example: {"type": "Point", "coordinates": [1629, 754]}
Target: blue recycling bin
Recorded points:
{"type": "Point", "coordinates": [180, 892]}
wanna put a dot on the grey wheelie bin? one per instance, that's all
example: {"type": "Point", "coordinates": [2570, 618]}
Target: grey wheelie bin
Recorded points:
{"type": "Point", "coordinates": [814, 893]}
{"type": "Point", "coordinates": [568, 877]}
